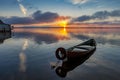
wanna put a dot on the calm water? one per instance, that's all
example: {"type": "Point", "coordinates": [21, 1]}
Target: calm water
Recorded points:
{"type": "Point", "coordinates": [27, 54]}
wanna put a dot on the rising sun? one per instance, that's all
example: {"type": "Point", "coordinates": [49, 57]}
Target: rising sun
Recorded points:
{"type": "Point", "coordinates": [63, 23]}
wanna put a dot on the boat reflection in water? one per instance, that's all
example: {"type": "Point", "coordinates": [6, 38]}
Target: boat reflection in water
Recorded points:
{"type": "Point", "coordinates": [71, 58]}
{"type": "Point", "coordinates": [4, 36]}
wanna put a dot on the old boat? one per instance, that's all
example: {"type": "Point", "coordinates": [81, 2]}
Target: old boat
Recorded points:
{"type": "Point", "coordinates": [77, 51]}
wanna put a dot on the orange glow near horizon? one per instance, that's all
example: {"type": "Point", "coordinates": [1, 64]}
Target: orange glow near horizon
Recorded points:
{"type": "Point", "coordinates": [60, 23]}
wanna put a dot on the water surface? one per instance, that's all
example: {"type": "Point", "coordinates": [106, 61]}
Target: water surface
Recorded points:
{"type": "Point", "coordinates": [27, 53]}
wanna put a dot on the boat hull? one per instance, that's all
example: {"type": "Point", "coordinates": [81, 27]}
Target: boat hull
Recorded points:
{"type": "Point", "coordinates": [77, 51]}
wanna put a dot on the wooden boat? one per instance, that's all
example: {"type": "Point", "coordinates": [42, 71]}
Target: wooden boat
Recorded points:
{"type": "Point", "coordinates": [77, 51]}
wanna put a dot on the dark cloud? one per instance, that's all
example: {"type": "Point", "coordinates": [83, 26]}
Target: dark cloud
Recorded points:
{"type": "Point", "coordinates": [19, 20]}
{"type": "Point", "coordinates": [115, 13]}
{"type": "Point", "coordinates": [45, 17]}
{"type": "Point", "coordinates": [101, 15]}
{"type": "Point", "coordinates": [83, 18]}
{"type": "Point", "coordinates": [36, 17]}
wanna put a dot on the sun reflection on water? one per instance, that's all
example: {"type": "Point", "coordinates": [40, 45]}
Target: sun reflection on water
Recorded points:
{"type": "Point", "coordinates": [63, 32]}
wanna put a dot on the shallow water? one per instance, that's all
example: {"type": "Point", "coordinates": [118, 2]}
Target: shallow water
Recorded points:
{"type": "Point", "coordinates": [28, 53]}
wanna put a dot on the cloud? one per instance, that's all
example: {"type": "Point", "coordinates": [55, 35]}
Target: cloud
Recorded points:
{"type": "Point", "coordinates": [100, 16]}
{"type": "Point", "coordinates": [19, 0]}
{"type": "Point", "coordinates": [78, 1]}
{"type": "Point", "coordinates": [115, 13]}
{"type": "Point", "coordinates": [23, 9]}
{"type": "Point", "coordinates": [36, 17]}
{"type": "Point", "coordinates": [19, 20]}
{"type": "Point", "coordinates": [83, 18]}
{"type": "Point", "coordinates": [45, 17]}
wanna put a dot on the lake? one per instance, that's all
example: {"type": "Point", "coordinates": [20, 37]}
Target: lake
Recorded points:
{"type": "Point", "coordinates": [29, 53]}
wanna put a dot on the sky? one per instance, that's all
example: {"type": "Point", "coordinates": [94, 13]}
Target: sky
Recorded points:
{"type": "Point", "coordinates": [36, 11]}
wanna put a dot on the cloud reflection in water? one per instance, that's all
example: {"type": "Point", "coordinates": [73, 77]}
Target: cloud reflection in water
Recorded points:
{"type": "Point", "coordinates": [22, 57]}
{"type": "Point", "coordinates": [44, 35]}
{"type": "Point", "coordinates": [52, 35]}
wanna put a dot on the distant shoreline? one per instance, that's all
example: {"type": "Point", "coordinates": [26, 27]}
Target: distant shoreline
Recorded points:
{"type": "Point", "coordinates": [73, 27]}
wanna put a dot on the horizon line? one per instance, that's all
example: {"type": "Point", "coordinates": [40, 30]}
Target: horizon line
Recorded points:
{"type": "Point", "coordinates": [74, 27]}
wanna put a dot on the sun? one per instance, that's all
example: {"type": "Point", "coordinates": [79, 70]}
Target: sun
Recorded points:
{"type": "Point", "coordinates": [63, 23]}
